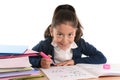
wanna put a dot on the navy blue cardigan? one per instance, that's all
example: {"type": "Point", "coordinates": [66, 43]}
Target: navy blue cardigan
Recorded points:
{"type": "Point", "coordinates": [93, 56]}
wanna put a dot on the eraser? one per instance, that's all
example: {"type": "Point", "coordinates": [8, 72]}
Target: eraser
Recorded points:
{"type": "Point", "coordinates": [106, 66]}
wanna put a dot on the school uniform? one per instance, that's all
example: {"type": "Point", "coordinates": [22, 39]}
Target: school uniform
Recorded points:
{"type": "Point", "coordinates": [75, 52]}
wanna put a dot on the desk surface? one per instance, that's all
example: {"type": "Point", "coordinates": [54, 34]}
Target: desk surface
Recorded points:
{"type": "Point", "coordinates": [101, 78]}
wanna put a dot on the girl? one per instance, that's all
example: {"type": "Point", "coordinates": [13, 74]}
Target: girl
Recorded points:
{"type": "Point", "coordinates": [63, 42]}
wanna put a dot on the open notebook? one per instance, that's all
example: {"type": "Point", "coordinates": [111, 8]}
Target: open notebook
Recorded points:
{"type": "Point", "coordinates": [81, 71]}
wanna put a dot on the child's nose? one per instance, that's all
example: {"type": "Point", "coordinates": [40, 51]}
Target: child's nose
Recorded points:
{"type": "Point", "coordinates": [65, 39]}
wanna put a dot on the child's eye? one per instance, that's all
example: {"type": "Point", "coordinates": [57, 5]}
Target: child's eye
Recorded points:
{"type": "Point", "coordinates": [60, 35]}
{"type": "Point", "coordinates": [70, 35]}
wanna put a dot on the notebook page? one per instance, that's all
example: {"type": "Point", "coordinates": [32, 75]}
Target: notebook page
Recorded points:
{"type": "Point", "coordinates": [67, 73]}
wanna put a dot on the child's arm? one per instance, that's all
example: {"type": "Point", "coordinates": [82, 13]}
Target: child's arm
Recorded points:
{"type": "Point", "coordinates": [93, 56]}
{"type": "Point", "coordinates": [66, 63]}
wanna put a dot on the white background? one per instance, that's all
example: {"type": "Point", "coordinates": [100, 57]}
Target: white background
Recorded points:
{"type": "Point", "coordinates": [23, 22]}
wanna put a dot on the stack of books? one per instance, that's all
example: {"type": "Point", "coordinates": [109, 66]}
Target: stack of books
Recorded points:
{"type": "Point", "coordinates": [14, 61]}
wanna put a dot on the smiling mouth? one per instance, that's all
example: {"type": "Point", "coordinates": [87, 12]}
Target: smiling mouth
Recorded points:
{"type": "Point", "coordinates": [63, 45]}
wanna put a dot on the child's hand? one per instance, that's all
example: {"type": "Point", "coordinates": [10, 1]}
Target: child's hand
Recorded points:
{"type": "Point", "coordinates": [66, 63]}
{"type": "Point", "coordinates": [45, 63]}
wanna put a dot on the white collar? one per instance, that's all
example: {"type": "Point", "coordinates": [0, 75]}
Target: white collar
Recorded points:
{"type": "Point", "coordinates": [72, 46]}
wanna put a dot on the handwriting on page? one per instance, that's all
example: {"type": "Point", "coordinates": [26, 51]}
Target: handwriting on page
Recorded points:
{"type": "Point", "coordinates": [67, 73]}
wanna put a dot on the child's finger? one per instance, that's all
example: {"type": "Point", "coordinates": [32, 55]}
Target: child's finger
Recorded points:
{"type": "Point", "coordinates": [45, 63]}
{"type": "Point", "coordinates": [50, 56]}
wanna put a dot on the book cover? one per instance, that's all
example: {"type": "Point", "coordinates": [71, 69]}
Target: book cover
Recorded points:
{"type": "Point", "coordinates": [15, 62]}
{"type": "Point", "coordinates": [27, 53]}
{"type": "Point", "coordinates": [13, 74]}
{"type": "Point", "coordinates": [12, 49]}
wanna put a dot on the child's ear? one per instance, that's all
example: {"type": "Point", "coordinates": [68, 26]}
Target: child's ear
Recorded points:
{"type": "Point", "coordinates": [51, 31]}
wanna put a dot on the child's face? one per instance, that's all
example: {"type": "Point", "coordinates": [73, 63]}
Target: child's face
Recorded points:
{"type": "Point", "coordinates": [63, 35]}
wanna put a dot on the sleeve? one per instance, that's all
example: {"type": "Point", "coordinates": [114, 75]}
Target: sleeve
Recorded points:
{"type": "Point", "coordinates": [35, 60]}
{"type": "Point", "coordinates": [93, 56]}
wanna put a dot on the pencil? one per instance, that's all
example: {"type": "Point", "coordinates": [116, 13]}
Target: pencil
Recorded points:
{"type": "Point", "coordinates": [28, 77]}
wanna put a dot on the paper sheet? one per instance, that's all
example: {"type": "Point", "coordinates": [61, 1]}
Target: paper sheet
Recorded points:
{"type": "Point", "coordinates": [81, 71]}
{"type": "Point", "coordinates": [67, 73]}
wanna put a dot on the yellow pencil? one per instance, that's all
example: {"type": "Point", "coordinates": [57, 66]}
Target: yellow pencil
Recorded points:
{"type": "Point", "coordinates": [28, 77]}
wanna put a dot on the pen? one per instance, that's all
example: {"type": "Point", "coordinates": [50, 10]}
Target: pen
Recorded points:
{"type": "Point", "coordinates": [45, 56]}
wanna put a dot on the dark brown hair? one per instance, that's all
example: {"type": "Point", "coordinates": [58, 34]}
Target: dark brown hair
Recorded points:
{"type": "Point", "coordinates": [64, 14]}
